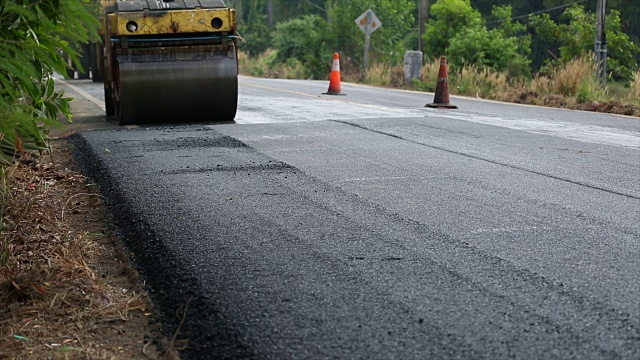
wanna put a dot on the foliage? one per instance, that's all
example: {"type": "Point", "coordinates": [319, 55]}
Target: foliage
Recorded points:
{"type": "Point", "coordinates": [500, 49]}
{"type": "Point", "coordinates": [35, 37]}
{"type": "Point", "coordinates": [449, 19]}
{"type": "Point", "coordinates": [255, 31]}
{"type": "Point", "coordinates": [576, 38]}
{"type": "Point", "coordinates": [253, 19]}
{"type": "Point", "coordinates": [468, 41]}
{"type": "Point", "coordinates": [629, 13]}
{"type": "Point", "coordinates": [306, 40]}
{"type": "Point", "coordinates": [283, 10]}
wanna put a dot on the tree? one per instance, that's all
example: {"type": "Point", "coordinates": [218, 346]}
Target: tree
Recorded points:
{"type": "Point", "coordinates": [629, 12]}
{"type": "Point", "coordinates": [459, 32]}
{"type": "Point", "coordinates": [449, 18]}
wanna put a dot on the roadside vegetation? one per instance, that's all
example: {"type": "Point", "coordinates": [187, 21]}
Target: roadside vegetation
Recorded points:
{"type": "Point", "coordinates": [544, 58]}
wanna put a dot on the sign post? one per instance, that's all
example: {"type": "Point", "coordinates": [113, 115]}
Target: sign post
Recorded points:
{"type": "Point", "coordinates": [601, 43]}
{"type": "Point", "coordinates": [368, 23]}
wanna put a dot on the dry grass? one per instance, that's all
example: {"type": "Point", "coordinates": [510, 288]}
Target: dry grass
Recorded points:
{"type": "Point", "coordinates": [378, 74]}
{"type": "Point", "coordinates": [53, 301]}
{"type": "Point", "coordinates": [568, 80]}
{"type": "Point", "coordinates": [482, 83]}
{"type": "Point", "coordinates": [572, 85]}
{"type": "Point", "coordinates": [429, 75]}
{"type": "Point", "coordinates": [381, 74]}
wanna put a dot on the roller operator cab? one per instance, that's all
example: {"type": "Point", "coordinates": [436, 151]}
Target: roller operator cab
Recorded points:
{"type": "Point", "coordinates": [170, 61]}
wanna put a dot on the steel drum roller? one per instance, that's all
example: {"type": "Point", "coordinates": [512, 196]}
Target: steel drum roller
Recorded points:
{"type": "Point", "coordinates": [177, 87]}
{"type": "Point", "coordinates": [170, 61]}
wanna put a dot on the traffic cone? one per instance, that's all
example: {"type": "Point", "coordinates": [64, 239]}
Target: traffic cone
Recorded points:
{"type": "Point", "coordinates": [441, 99]}
{"type": "Point", "coordinates": [334, 81]}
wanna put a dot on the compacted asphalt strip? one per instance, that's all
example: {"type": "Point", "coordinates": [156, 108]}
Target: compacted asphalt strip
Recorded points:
{"type": "Point", "coordinates": [278, 259]}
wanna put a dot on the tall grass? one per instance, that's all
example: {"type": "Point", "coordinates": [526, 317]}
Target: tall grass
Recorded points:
{"type": "Point", "coordinates": [574, 82]}
{"type": "Point", "coordinates": [569, 80]}
{"type": "Point", "coordinates": [379, 74]}
{"type": "Point", "coordinates": [429, 74]}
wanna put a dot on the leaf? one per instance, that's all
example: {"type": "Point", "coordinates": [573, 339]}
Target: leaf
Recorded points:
{"type": "Point", "coordinates": [50, 87]}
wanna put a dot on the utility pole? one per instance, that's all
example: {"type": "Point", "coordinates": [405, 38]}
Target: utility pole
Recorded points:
{"type": "Point", "coordinates": [238, 4]}
{"type": "Point", "coordinates": [601, 43]}
{"type": "Point", "coordinates": [423, 16]}
{"type": "Point", "coordinates": [270, 13]}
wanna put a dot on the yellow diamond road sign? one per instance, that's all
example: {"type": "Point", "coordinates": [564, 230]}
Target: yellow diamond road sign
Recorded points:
{"type": "Point", "coordinates": [368, 22]}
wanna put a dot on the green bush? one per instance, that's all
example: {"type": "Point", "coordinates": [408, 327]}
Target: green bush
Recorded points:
{"type": "Point", "coordinates": [449, 19]}
{"type": "Point", "coordinates": [488, 49]}
{"type": "Point", "coordinates": [305, 40]}
{"type": "Point", "coordinates": [468, 42]}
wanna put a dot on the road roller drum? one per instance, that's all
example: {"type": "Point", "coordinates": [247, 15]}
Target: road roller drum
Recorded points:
{"type": "Point", "coordinates": [171, 61]}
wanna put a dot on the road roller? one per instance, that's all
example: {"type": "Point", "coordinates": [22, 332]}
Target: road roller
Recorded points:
{"type": "Point", "coordinates": [170, 61]}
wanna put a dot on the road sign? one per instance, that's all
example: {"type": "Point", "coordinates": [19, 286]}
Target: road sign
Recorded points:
{"type": "Point", "coordinates": [368, 22]}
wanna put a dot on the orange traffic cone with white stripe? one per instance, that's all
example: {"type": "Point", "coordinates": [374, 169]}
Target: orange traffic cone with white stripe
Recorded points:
{"type": "Point", "coordinates": [334, 81]}
{"type": "Point", "coordinates": [441, 98]}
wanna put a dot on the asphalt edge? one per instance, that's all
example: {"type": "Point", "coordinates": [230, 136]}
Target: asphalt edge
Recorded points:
{"type": "Point", "coordinates": [148, 253]}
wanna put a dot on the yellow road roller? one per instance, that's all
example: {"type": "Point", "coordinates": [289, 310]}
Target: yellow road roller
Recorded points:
{"type": "Point", "coordinates": [170, 61]}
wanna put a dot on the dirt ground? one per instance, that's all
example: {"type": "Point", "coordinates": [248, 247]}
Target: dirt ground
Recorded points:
{"type": "Point", "coordinates": [557, 101]}
{"type": "Point", "coordinates": [67, 286]}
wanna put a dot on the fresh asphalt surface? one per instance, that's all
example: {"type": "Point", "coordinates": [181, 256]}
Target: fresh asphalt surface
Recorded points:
{"type": "Point", "coordinates": [366, 226]}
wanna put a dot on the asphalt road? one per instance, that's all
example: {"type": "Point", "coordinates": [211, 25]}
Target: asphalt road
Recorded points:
{"type": "Point", "coordinates": [366, 226]}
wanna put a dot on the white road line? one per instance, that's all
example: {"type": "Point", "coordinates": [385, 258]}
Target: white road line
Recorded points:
{"type": "Point", "coordinates": [83, 93]}
{"type": "Point", "coordinates": [567, 130]}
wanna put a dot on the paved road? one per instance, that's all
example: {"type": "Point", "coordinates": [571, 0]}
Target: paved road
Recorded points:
{"type": "Point", "coordinates": [366, 226]}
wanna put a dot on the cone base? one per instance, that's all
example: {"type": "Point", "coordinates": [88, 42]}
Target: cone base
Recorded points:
{"type": "Point", "coordinates": [441, 106]}
{"type": "Point", "coordinates": [333, 93]}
